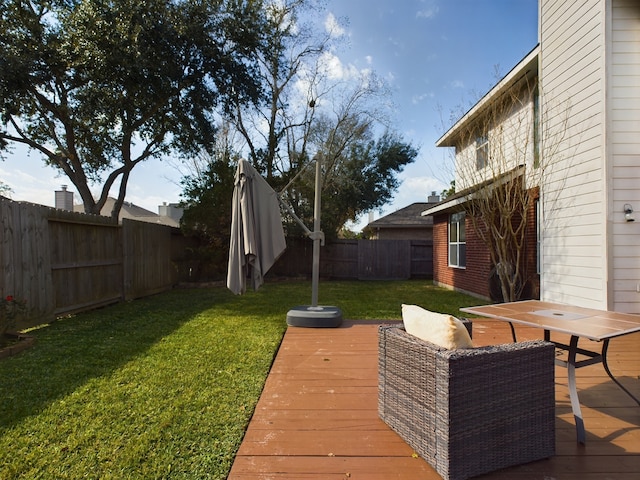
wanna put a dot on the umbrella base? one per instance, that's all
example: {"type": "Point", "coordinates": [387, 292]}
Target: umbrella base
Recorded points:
{"type": "Point", "coordinates": [315, 317]}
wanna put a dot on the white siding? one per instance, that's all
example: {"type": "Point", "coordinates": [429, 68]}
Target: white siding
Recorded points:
{"type": "Point", "coordinates": [589, 75]}
{"type": "Point", "coordinates": [590, 67]}
{"type": "Point", "coordinates": [572, 77]}
{"type": "Point", "coordinates": [510, 142]}
{"type": "Point", "coordinates": [624, 170]}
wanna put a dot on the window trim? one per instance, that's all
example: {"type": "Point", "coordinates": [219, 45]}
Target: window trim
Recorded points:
{"type": "Point", "coordinates": [482, 151]}
{"type": "Point", "coordinates": [457, 220]}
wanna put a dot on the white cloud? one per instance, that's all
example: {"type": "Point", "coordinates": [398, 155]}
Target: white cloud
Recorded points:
{"type": "Point", "coordinates": [430, 10]}
{"type": "Point", "coordinates": [391, 78]}
{"type": "Point", "coordinates": [428, 13]}
{"type": "Point", "coordinates": [333, 27]}
{"type": "Point", "coordinates": [336, 69]}
{"type": "Point", "coordinates": [423, 186]}
{"type": "Point", "coordinates": [457, 84]}
{"type": "Point", "coordinates": [419, 98]}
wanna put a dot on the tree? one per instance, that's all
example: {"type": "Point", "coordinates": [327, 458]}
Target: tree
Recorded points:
{"type": "Point", "coordinates": [501, 163]}
{"type": "Point", "coordinates": [449, 191]}
{"type": "Point", "coordinates": [5, 190]}
{"type": "Point", "coordinates": [358, 173]}
{"type": "Point", "coordinates": [207, 198]}
{"type": "Point", "coordinates": [312, 109]}
{"type": "Point", "coordinates": [288, 58]}
{"type": "Point", "coordinates": [98, 87]}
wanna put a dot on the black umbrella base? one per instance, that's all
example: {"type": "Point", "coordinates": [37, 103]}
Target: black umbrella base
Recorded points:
{"type": "Point", "coordinates": [315, 317]}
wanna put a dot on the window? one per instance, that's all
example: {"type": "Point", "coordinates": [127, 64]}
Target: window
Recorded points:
{"type": "Point", "coordinates": [482, 152]}
{"type": "Point", "coordinates": [536, 128]}
{"type": "Point", "coordinates": [457, 241]}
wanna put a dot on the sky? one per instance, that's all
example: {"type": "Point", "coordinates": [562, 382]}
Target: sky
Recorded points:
{"type": "Point", "coordinates": [436, 55]}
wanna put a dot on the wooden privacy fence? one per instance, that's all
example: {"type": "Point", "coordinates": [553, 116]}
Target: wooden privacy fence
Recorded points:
{"type": "Point", "coordinates": [360, 259]}
{"type": "Point", "coordinates": [64, 262]}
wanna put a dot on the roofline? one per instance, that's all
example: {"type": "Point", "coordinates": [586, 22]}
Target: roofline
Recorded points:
{"type": "Point", "coordinates": [393, 225]}
{"type": "Point", "coordinates": [445, 205]}
{"type": "Point", "coordinates": [464, 196]}
{"type": "Point", "coordinates": [527, 64]}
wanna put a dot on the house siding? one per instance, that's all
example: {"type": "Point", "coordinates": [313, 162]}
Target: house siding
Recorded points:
{"type": "Point", "coordinates": [572, 72]}
{"type": "Point", "coordinates": [588, 61]}
{"type": "Point", "coordinates": [510, 142]}
{"type": "Point", "coordinates": [624, 124]}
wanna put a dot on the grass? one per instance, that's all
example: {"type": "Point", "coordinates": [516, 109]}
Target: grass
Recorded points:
{"type": "Point", "coordinates": [163, 387]}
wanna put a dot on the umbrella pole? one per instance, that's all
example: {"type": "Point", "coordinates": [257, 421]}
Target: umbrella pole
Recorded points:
{"type": "Point", "coordinates": [315, 266]}
{"type": "Point", "coordinates": [314, 315]}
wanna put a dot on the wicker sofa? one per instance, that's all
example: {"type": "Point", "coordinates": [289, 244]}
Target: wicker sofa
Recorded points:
{"type": "Point", "coordinates": [471, 411]}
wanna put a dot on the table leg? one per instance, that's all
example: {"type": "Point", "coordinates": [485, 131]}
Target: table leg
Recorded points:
{"type": "Point", "coordinates": [573, 392]}
{"type": "Point", "coordinates": [513, 332]}
{"type": "Point", "coordinates": [605, 347]}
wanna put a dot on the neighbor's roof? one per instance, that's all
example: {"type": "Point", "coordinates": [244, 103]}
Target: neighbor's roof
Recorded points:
{"type": "Point", "coordinates": [409, 216]}
{"type": "Point", "coordinates": [133, 212]}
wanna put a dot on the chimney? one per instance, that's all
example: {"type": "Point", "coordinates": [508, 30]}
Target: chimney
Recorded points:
{"type": "Point", "coordinates": [433, 198]}
{"type": "Point", "coordinates": [64, 199]}
{"type": "Point", "coordinates": [172, 210]}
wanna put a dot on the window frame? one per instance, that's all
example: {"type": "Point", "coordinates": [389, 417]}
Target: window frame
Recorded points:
{"type": "Point", "coordinates": [537, 121]}
{"type": "Point", "coordinates": [482, 151]}
{"type": "Point", "coordinates": [457, 240]}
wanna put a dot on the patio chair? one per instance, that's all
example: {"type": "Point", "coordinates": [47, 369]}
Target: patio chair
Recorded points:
{"type": "Point", "coordinates": [468, 411]}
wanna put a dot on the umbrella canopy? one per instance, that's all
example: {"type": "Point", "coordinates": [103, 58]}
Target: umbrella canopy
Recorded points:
{"type": "Point", "coordinates": [257, 236]}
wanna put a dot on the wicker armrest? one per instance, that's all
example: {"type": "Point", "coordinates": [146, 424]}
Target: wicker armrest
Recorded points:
{"type": "Point", "coordinates": [468, 411]}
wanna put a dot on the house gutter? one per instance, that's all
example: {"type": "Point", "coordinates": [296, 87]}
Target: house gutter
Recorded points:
{"type": "Point", "coordinates": [445, 205]}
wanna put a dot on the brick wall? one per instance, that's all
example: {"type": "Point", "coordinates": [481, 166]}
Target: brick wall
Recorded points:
{"type": "Point", "coordinates": [475, 277]}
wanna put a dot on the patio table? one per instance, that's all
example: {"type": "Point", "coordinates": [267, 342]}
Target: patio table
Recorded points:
{"type": "Point", "coordinates": [597, 325]}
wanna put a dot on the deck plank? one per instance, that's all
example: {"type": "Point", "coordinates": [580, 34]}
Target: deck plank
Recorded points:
{"type": "Point", "coordinates": [317, 416]}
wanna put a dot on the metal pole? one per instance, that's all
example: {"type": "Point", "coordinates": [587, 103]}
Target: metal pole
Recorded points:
{"type": "Point", "coordinates": [315, 268]}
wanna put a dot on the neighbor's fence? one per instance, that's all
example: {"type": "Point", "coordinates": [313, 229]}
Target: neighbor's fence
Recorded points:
{"type": "Point", "coordinates": [63, 262]}
{"type": "Point", "coordinates": [359, 259]}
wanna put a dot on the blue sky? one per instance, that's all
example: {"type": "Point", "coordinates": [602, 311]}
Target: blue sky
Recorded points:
{"type": "Point", "coordinates": [435, 54]}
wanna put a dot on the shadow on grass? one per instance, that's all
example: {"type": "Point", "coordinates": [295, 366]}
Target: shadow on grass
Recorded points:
{"type": "Point", "coordinates": [73, 350]}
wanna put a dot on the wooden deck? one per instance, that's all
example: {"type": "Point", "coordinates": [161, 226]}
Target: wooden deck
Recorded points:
{"type": "Point", "coordinates": [317, 417]}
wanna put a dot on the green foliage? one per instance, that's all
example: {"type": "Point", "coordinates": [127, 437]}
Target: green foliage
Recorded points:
{"type": "Point", "coordinates": [162, 387]}
{"type": "Point", "coordinates": [449, 191]}
{"type": "Point", "coordinates": [5, 190]}
{"type": "Point", "coordinates": [207, 195]}
{"type": "Point", "coordinates": [97, 87]}
{"type": "Point", "coordinates": [358, 177]}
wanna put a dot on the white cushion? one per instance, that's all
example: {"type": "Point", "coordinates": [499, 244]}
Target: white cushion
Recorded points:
{"type": "Point", "coordinates": [443, 330]}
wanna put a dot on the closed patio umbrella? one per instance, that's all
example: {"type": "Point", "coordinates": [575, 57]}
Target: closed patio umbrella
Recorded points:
{"type": "Point", "coordinates": [257, 236]}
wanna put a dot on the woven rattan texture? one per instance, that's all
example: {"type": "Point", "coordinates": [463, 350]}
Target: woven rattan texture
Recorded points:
{"type": "Point", "coordinates": [470, 411]}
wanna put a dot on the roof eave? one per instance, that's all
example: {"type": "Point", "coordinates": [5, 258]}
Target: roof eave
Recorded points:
{"type": "Point", "coordinates": [526, 66]}
{"type": "Point", "coordinates": [464, 196]}
{"type": "Point", "coordinates": [444, 206]}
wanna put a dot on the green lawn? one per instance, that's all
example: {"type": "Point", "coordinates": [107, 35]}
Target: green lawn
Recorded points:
{"type": "Point", "coordinates": [163, 387]}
